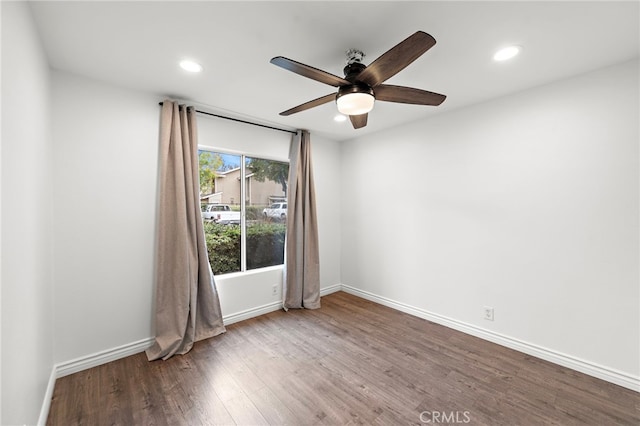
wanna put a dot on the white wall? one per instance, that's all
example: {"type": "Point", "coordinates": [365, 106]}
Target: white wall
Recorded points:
{"type": "Point", "coordinates": [528, 204]}
{"type": "Point", "coordinates": [27, 279]}
{"type": "Point", "coordinates": [105, 173]}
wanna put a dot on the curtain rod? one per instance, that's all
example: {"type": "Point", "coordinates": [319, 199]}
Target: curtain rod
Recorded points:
{"type": "Point", "coordinates": [242, 121]}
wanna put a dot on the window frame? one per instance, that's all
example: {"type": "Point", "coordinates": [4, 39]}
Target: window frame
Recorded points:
{"type": "Point", "coordinates": [243, 228]}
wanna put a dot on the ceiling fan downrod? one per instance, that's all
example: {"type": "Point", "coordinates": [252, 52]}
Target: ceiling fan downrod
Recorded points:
{"type": "Point", "coordinates": [354, 64]}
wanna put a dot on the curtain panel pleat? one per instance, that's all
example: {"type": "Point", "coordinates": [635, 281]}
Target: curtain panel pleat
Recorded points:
{"type": "Point", "coordinates": [302, 258]}
{"type": "Point", "coordinates": [187, 304]}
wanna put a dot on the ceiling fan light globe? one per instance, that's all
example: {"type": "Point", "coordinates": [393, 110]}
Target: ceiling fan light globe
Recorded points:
{"type": "Point", "coordinates": [355, 103]}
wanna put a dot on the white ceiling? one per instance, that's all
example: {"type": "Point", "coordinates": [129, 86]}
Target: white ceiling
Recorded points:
{"type": "Point", "coordinates": [138, 44]}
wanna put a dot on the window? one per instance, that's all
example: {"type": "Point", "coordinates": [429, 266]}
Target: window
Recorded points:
{"type": "Point", "coordinates": [244, 210]}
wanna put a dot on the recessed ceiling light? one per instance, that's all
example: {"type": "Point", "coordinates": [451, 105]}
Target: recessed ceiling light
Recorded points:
{"type": "Point", "coordinates": [340, 118]}
{"type": "Point", "coordinates": [506, 53]}
{"type": "Point", "coordinates": [190, 66]}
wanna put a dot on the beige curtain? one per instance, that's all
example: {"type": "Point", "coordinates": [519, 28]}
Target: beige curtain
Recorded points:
{"type": "Point", "coordinates": [302, 259]}
{"type": "Point", "coordinates": [187, 304]}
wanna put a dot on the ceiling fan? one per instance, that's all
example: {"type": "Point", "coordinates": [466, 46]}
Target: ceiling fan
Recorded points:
{"type": "Point", "coordinates": [362, 85]}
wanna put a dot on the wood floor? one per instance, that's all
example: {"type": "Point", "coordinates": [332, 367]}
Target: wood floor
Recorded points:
{"type": "Point", "coordinates": [350, 362]}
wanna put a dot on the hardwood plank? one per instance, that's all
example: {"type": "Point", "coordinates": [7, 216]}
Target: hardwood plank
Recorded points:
{"type": "Point", "coordinates": [350, 362]}
{"type": "Point", "coordinates": [273, 409]}
{"type": "Point", "coordinates": [146, 403]}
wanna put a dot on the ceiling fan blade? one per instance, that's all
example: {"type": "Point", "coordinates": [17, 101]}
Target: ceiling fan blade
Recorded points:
{"type": "Point", "coordinates": [396, 59]}
{"type": "Point", "coordinates": [310, 104]}
{"type": "Point", "coordinates": [407, 95]}
{"type": "Point", "coordinates": [358, 121]}
{"type": "Point", "coordinates": [309, 72]}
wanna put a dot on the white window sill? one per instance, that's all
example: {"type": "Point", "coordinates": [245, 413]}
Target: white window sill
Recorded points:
{"type": "Point", "coordinates": [250, 272]}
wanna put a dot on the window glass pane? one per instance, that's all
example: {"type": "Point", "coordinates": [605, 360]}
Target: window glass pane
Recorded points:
{"type": "Point", "coordinates": [220, 201]}
{"type": "Point", "coordinates": [221, 196]}
{"type": "Point", "coordinates": [266, 211]}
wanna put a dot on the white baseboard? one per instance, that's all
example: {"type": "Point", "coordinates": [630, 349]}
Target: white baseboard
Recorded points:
{"type": "Point", "coordinates": [102, 357]}
{"type": "Point", "coordinates": [331, 289]}
{"type": "Point", "coordinates": [605, 373]}
{"type": "Point", "coordinates": [251, 313]}
{"type": "Point", "coordinates": [270, 307]}
{"type": "Point", "coordinates": [48, 394]}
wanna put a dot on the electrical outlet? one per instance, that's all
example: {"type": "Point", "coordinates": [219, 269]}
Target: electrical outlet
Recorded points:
{"type": "Point", "coordinates": [274, 290]}
{"type": "Point", "coordinates": [488, 313]}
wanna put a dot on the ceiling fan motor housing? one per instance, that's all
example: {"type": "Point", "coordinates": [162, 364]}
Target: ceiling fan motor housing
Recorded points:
{"type": "Point", "coordinates": [354, 88]}
{"type": "Point", "coordinates": [352, 70]}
